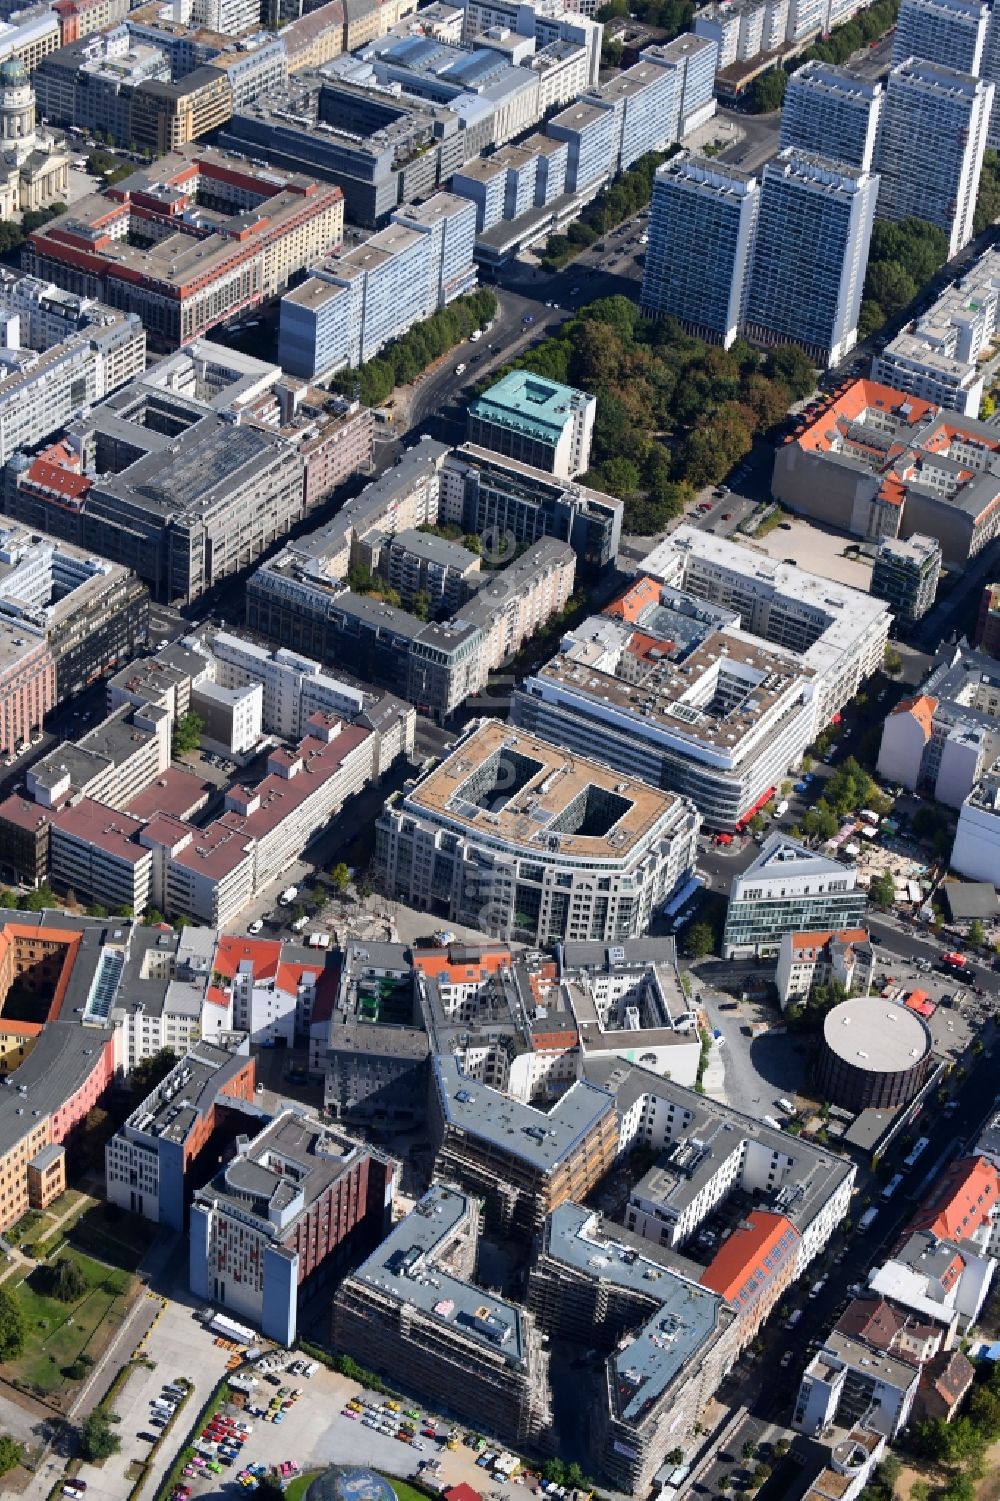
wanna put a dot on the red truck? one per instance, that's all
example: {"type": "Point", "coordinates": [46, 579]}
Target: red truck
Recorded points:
{"type": "Point", "coordinates": [954, 961]}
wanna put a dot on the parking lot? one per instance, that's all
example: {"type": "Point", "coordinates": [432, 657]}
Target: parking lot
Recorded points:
{"type": "Point", "coordinates": [314, 1432]}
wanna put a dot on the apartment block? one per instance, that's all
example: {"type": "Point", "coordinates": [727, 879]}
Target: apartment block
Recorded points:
{"type": "Point", "coordinates": [545, 22]}
{"type": "Point", "coordinates": [944, 737]}
{"type": "Point", "coordinates": [987, 632]}
{"type": "Point", "coordinates": [694, 59]}
{"type": "Point", "coordinates": [296, 1205]}
{"type": "Point", "coordinates": [789, 889]}
{"type": "Point", "coordinates": [699, 203]}
{"type": "Point", "coordinates": [354, 304]}
{"type": "Point", "coordinates": [418, 563]}
{"type": "Point", "coordinates": [927, 101]}
{"type": "Point", "coordinates": [808, 959]}
{"type": "Point", "coordinates": [832, 112]}
{"type": "Point", "coordinates": [590, 1280]}
{"type": "Point", "coordinates": [905, 575]}
{"type": "Point", "coordinates": [589, 131]}
{"type": "Point", "coordinates": [142, 257]}
{"type": "Point", "coordinates": [522, 1162]}
{"type": "Point", "coordinates": [148, 1162]}
{"type": "Point", "coordinates": [413, 1311]}
{"type": "Point", "coordinates": [270, 988]}
{"type": "Point", "coordinates": [535, 421]}
{"type": "Point", "coordinates": [645, 105]}
{"type": "Point", "coordinates": [949, 32]}
{"type": "Point", "coordinates": [825, 208]}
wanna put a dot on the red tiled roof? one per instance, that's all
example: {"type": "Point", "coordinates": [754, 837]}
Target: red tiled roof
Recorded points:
{"type": "Point", "coordinates": [741, 1259]}
{"type": "Point", "coordinates": [290, 974]}
{"type": "Point", "coordinates": [635, 600]}
{"type": "Point", "coordinates": [263, 953]}
{"type": "Point", "coordinates": [964, 1199]}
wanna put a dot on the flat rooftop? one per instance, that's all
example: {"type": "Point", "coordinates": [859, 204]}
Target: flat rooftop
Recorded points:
{"type": "Point", "coordinates": [186, 1094]}
{"type": "Point", "coordinates": [542, 1139]}
{"type": "Point", "coordinates": [876, 1035]}
{"type": "Point", "coordinates": [686, 1318]}
{"type": "Point", "coordinates": [408, 1266]}
{"type": "Point", "coordinates": [261, 1184]}
{"type": "Point", "coordinates": [553, 801]}
{"type": "Point", "coordinates": [529, 404]}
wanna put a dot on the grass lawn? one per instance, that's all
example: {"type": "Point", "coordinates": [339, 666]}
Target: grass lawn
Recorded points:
{"type": "Point", "coordinates": [297, 1489]}
{"type": "Point", "coordinates": [405, 1491]}
{"type": "Point", "coordinates": [113, 1234]}
{"type": "Point", "coordinates": [58, 1333]}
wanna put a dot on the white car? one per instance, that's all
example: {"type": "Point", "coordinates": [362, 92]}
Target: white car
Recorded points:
{"type": "Point", "coordinates": [460, 369]}
{"type": "Point", "coordinates": [257, 926]}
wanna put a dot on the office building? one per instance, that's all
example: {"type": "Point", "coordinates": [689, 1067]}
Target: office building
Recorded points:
{"type": "Point", "coordinates": [92, 614]}
{"type": "Point", "coordinates": [927, 102]}
{"type": "Point", "coordinates": [291, 1211]}
{"type": "Point", "coordinates": [594, 1280]}
{"type": "Point", "coordinates": [906, 574]}
{"type": "Point", "coordinates": [184, 275]}
{"type": "Point", "coordinates": [669, 688]}
{"type": "Point", "coordinates": [878, 462]}
{"type": "Point", "coordinates": [413, 1312]}
{"type": "Point", "coordinates": [789, 889]}
{"type": "Point", "coordinates": [700, 204]}
{"type": "Point", "coordinates": [226, 494]}
{"type": "Point", "coordinates": [535, 421]}
{"type": "Point", "coordinates": [807, 959]}
{"type": "Point", "coordinates": [832, 112]}
{"type": "Point", "coordinates": [90, 83]}
{"type": "Point", "coordinates": [636, 842]}
{"type": "Point", "coordinates": [833, 630]}
{"type": "Point", "coordinates": [542, 20]}
{"type": "Point", "coordinates": [810, 254]}
{"type": "Point", "coordinates": [355, 303]}
{"type": "Point", "coordinates": [520, 1161]}
{"type": "Point", "coordinates": [951, 33]}
{"type": "Point", "coordinates": [148, 1162]}
{"type": "Point", "coordinates": [946, 735]}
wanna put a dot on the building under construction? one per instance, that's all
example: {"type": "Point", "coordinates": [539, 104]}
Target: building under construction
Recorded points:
{"type": "Point", "coordinates": [412, 1312]}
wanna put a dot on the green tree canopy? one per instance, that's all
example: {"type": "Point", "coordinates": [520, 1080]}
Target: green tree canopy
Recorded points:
{"type": "Point", "coordinates": [187, 733]}
{"type": "Point", "coordinates": [98, 1439]}
{"type": "Point", "coordinates": [699, 940]}
{"type": "Point", "coordinates": [13, 1330]}
{"type": "Point", "coordinates": [767, 91]}
{"type": "Point", "coordinates": [10, 1453]}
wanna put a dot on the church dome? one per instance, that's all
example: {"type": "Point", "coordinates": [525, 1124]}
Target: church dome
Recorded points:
{"type": "Point", "coordinates": [13, 74]}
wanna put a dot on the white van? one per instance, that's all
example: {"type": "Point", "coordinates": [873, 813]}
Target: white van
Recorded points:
{"type": "Point", "coordinates": [786, 1106]}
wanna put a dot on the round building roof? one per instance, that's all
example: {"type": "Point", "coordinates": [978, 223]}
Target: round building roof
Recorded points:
{"type": "Point", "coordinates": [876, 1035]}
{"type": "Point", "coordinates": [350, 1483]}
{"type": "Point", "coordinates": [12, 73]}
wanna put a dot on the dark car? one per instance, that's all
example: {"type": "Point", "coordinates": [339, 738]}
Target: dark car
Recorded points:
{"type": "Point", "coordinates": [784, 526]}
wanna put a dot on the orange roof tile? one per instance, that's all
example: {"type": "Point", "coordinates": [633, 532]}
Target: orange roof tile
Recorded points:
{"type": "Point", "coordinates": [263, 953]}
{"type": "Point", "coordinates": [923, 708]}
{"type": "Point", "coordinates": [635, 599]}
{"type": "Point", "coordinates": [965, 1199]}
{"type": "Point", "coordinates": [738, 1269]}
{"type": "Point", "coordinates": [481, 962]}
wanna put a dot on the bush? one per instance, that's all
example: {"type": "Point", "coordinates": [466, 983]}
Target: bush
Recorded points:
{"type": "Point", "coordinates": [65, 1280]}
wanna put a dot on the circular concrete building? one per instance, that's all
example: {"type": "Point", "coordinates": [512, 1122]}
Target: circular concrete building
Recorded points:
{"type": "Point", "coordinates": [873, 1053]}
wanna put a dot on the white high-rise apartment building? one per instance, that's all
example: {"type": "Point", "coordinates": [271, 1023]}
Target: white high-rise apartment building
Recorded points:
{"type": "Point", "coordinates": [949, 32]}
{"type": "Point", "coordinates": [930, 147]}
{"type": "Point", "coordinates": [833, 112]}
{"type": "Point", "coordinates": [701, 231]}
{"type": "Point", "coordinates": [810, 254]}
